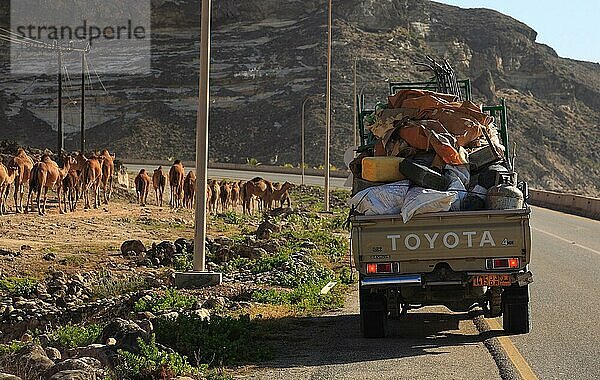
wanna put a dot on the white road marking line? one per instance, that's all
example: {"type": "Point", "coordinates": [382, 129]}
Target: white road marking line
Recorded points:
{"type": "Point", "coordinates": [568, 241]}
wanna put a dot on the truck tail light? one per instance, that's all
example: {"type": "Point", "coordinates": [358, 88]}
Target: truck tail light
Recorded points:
{"type": "Point", "coordinates": [505, 263]}
{"type": "Point", "coordinates": [379, 268]}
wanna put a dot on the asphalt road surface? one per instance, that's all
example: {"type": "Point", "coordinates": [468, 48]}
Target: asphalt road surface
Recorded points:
{"type": "Point", "coordinates": [565, 297]}
{"type": "Point", "coordinates": [436, 344]}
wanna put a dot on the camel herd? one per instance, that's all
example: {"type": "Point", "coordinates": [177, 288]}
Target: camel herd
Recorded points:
{"type": "Point", "coordinates": [78, 176]}
{"type": "Point", "coordinates": [91, 178]}
{"type": "Point", "coordinates": [220, 195]}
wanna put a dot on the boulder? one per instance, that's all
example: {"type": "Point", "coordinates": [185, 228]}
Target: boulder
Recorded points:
{"type": "Point", "coordinates": [81, 368]}
{"type": "Point", "coordinates": [34, 357]}
{"type": "Point", "coordinates": [126, 333]}
{"type": "Point", "coordinates": [74, 374]}
{"type": "Point", "coordinates": [7, 376]}
{"type": "Point", "coordinates": [105, 354]}
{"type": "Point", "coordinates": [53, 353]}
{"type": "Point", "coordinates": [133, 246]}
{"type": "Point", "coordinates": [215, 303]}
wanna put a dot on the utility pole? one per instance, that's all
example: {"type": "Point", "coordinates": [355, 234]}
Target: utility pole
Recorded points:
{"type": "Point", "coordinates": [61, 136]}
{"type": "Point", "coordinates": [199, 277]}
{"type": "Point", "coordinates": [328, 110]}
{"type": "Point", "coordinates": [82, 146]}
{"type": "Point", "coordinates": [355, 106]}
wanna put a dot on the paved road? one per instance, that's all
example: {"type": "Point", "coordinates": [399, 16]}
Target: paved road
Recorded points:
{"type": "Point", "coordinates": [430, 343]}
{"type": "Point", "coordinates": [565, 338]}
{"type": "Point", "coordinates": [246, 175]}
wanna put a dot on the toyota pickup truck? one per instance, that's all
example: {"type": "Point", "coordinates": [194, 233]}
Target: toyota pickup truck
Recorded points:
{"type": "Point", "coordinates": [459, 259]}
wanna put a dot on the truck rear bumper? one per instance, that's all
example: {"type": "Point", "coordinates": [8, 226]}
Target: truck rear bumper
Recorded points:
{"type": "Point", "coordinates": [412, 279]}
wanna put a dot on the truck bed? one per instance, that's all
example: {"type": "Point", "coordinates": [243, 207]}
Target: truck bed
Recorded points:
{"type": "Point", "coordinates": [461, 239]}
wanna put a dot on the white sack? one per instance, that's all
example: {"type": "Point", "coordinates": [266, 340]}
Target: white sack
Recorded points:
{"type": "Point", "coordinates": [419, 200]}
{"type": "Point", "coordinates": [381, 200]}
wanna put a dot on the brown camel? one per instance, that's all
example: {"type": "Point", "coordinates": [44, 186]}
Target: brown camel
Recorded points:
{"type": "Point", "coordinates": [215, 195]}
{"type": "Point", "coordinates": [108, 171]}
{"type": "Point", "coordinates": [7, 178]}
{"type": "Point", "coordinates": [159, 181]}
{"type": "Point", "coordinates": [91, 178]}
{"type": "Point", "coordinates": [71, 190]}
{"type": "Point", "coordinates": [142, 185]}
{"type": "Point", "coordinates": [225, 196]}
{"type": "Point", "coordinates": [47, 175]}
{"type": "Point", "coordinates": [261, 189]}
{"type": "Point", "coordinates": [235, 194]}
{"type": "Point", "coordinates": [25, 164]}
{"type": "Point", "coordinates": [208, 196]}
{"type": "Point", "coordinates": [189, 190]}
{"type": "Point", "coordinates": [281, 195]}
{"type": "Point", "coordinates": [176, 177]}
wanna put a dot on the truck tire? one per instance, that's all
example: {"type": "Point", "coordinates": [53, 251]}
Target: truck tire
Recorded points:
{"type": "Point", "coordinates": [373, 310]}
{"type": "Point", "coordinates": [515, 310]}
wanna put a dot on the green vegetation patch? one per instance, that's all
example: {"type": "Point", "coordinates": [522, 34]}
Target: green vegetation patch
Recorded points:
{"type": "Point", "coordinates": [108, 286]}
{"type": "Point", "coordinates": [219, 341]}
{"type": "Point", "coordinates": [11, 348]}
{"type": "Point", "coordinates": [152, 363]}
{"type": "Point", "coordinates": [72, 336]}
{"type": "Point", "coordinates": [305, 297]}
{"type": "Point", "coordinates": [18, 287]}
{"type": "Point", "coordinates": [170, 300]}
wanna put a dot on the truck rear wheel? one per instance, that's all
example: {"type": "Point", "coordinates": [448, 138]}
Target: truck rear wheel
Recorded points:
{"type": "Point", "coordinates": [515, 310]}
{"type": "Point", "coordinates": [373, 310]}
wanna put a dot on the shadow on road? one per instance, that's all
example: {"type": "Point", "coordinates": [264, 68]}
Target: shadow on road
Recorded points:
{"type": "Point", "coordinates": [336, 339]}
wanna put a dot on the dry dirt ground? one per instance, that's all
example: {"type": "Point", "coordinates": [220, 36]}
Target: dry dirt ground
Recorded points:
{"type": "Point", "coordinates": [87, 239]}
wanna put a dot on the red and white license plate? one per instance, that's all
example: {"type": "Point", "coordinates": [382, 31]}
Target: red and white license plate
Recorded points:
{"type": "Point", "coordinates": [492, 280]}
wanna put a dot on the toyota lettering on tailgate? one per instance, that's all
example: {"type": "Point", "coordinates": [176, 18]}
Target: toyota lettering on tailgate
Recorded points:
{"type": "Point", "coordinates": [449, 240]}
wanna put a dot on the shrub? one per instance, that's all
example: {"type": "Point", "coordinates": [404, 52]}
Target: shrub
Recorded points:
{"type": "Point", "coordinates": [72, 336]}
{"type": "Point", "coordinates": [109, 286]}
{"type": "Point", "coordinates": [18, 287]}
{"type": "Point", "coordinates": [219, 341]}
{"type": "Point", "coordinates": [172, 299]}
{"type": "Point", "coordinates": [305, 297]}
{"type": "Point", "coordinates": [152, 363]}
{"type": "Point", "coordinates": [11, 348]}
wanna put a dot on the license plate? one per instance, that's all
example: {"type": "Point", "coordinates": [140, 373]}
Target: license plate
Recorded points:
{"type": "Point", "coordinates": [492, 280]}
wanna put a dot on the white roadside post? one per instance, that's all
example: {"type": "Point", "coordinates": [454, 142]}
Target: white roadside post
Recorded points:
{"type": "Point", "coordinates": [199, 277]}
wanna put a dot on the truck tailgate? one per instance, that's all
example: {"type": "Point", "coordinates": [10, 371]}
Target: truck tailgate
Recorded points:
{"type": "Point", "coordinates": [444, 236]}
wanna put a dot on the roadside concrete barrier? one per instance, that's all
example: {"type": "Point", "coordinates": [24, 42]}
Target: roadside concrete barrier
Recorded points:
{"type": "Point", "coordinates": [573, 204]}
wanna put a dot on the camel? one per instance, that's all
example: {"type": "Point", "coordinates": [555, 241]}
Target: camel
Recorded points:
{"type": "Point", "coordinates": [91, 177]}
{"type": "Point", "coordinates": [241, 195]}
{"type": "Point", "coordinates": [208, 196]}
{"type": "Point", "coordinates": [225, 196]}
{"type": "Point", "coordinates": [7, 178]}
{"type": "Point", "coordinates": [215, 195]}
{"type": "Point", "coordinates": [142, 185]}
{"type": "Point", "coordinates": [71, 190]}
{"type": "Point", "coordinates": [235, 194]}
{"type": "Point", "coordinates": [281, 194]}
{"type": "Point", "coordinates": [176, 177]}
{"type": "Point", "coordinates": [47, 175]}
{"type": "Point", "coordinates": [25, 164]}
{"type": "Point", "coordinates": [261, 189]}
{"type": "Point", "coordinates": [189, 190]}
{"type": "Point", "coordinates": [159, 181]}
{"type": "Point", "coordinates": [108, 171]}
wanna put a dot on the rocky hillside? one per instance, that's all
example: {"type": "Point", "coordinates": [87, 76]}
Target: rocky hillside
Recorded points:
{"type": "Point", "coordinates": [269, 56]}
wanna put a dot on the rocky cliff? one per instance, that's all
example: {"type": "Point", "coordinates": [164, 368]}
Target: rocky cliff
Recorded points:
{"type": "Point", "coordinates": [269, 56]}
